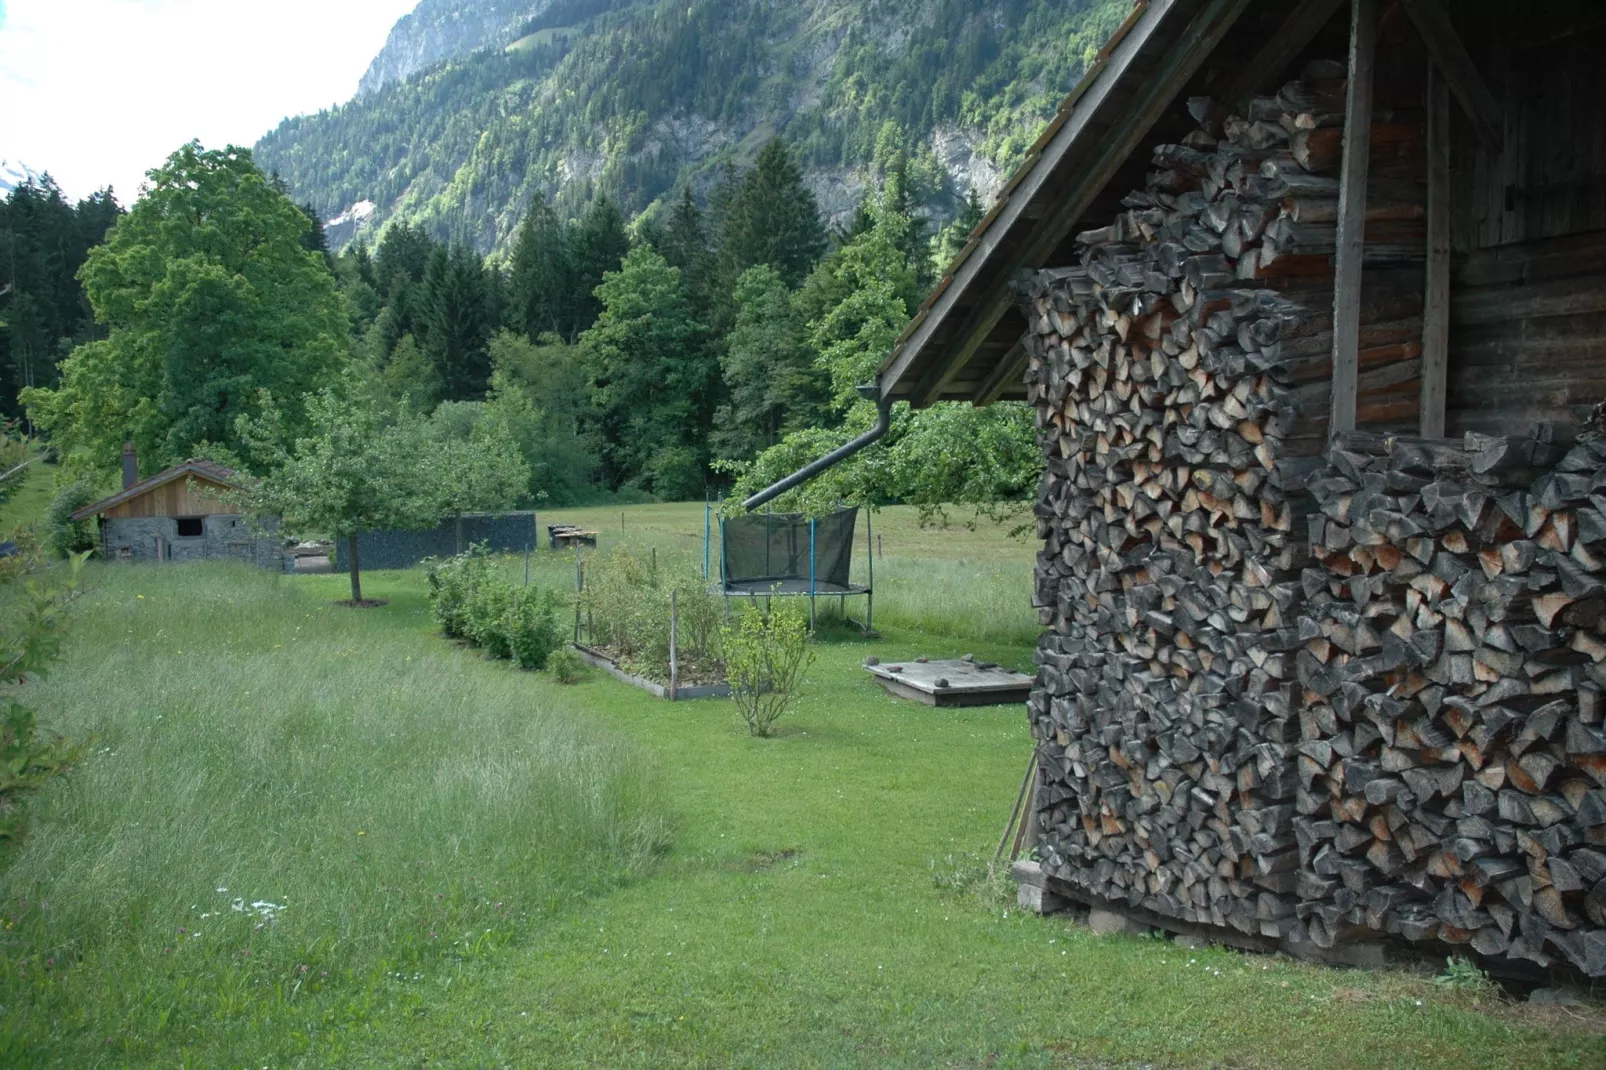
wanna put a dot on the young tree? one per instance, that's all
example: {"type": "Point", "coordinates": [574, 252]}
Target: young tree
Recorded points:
{"type": "Point", "coordinates": [652, 377]}
{"type": "Point", "coordinates": [350, 471]}
{"type": "Point", "coordinates": [684, 244]}
{"type": "Point", "coordinates": [210, 299]}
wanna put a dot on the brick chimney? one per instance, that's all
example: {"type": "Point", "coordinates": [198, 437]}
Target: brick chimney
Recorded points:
{"type": "Point", "coordinates": [130, 465]}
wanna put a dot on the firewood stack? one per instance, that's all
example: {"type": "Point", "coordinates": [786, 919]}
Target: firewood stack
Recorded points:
{"type": "Point", "coordinates": [1180, 373]}
{"type": "Point", "coordinates": [1452, 762]}
{"type": "Point", "coordinates": [1401, 734]}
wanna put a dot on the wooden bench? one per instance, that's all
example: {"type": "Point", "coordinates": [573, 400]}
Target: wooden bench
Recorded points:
{"type": "Point", "coordinates": [562, 535]}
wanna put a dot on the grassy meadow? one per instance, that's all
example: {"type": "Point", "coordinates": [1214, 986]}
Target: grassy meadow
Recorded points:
{"type": "Point", "coordinates": [435, 860]}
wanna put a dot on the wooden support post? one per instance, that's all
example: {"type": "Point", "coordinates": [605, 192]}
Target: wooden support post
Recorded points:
{"type": "Point", "coordinates": [674, 644]}
{"type": "Point", "coordinates": [1436, 306]}
{"type": "Point", "coordinates": [1451, 59]}
{"type": "Point", "coordinates": [1352, 215]}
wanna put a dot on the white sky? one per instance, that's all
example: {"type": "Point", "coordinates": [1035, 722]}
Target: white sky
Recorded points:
{"type": "Point", "coordinates": [101, 91]}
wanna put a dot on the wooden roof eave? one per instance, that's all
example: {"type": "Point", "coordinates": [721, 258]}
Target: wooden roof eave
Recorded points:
{"type": "Point", "coordinates": [205, 470]}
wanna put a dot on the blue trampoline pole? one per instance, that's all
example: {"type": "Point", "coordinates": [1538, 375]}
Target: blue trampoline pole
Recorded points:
{"type": "Point", "coordinates": [812, 522]}
{"type": "Point", "coordinates": [708, 524]}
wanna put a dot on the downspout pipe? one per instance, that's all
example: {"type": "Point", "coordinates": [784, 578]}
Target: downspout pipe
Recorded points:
{"type": "Point", "coordinates": [883, 423]}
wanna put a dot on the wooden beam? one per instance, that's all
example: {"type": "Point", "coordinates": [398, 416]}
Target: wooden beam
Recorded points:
{"type": "Point", "coordinates": [1454, 62]}
{"type": "Point", "coordinates": [1297, 31]}
{"type": "Point", "coordinates": [1436, 307]}
{"type": "Point", "coordinates": [1352, 214]}
{"type": "Point", "coordinates": [1158, 92]}
{"type": "Point", "coordinates": [1004, 372]}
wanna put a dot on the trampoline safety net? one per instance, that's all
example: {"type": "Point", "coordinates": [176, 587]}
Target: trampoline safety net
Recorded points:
{"type": "Point", "coordinates": [772, 549]}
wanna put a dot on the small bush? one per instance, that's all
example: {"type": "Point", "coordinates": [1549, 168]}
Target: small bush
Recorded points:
{"type": "Point", "coordinates": [470, 601]}
{"type": "Point", "coordinates": [565, 666]}
{"type": "Point", "coordinates": [487, 611]}
{"type": "Point", "coordinates": [530, 627]}
{"type": "Point", "coordinates": [452, 586]}
{"type": "Point", "coordinates": [766, 655]}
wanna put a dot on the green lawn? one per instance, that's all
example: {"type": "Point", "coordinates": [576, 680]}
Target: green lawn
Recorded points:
{"type": "Point", "coordinates": [819, 902]}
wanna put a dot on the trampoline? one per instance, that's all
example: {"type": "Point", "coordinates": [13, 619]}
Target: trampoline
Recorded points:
{"type": "Point", "coordinates": [780, 555]}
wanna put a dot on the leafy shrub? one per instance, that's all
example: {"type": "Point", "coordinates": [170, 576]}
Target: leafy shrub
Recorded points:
{"type": "Point", "coordinates": [487, 611]}
{"type": "Point", "coordinates": [470, 601]}
{"type": "Point", "coordinates": [65, 536]}
{"type": "Point", "coordinates": [452, 585]}
{"type": "Point", "coordinates": [565, 666]}
{"type": "Point", "coordinates": [530, 627]}
{"type": "Point", "coordinates": [766, 655]}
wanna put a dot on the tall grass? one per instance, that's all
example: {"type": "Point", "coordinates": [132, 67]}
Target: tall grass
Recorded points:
{"type": "Point", "coordinates": [290, 810]}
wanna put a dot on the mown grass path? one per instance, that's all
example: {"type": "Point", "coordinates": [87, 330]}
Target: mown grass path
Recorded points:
{"type": "Point", "coordinates": [820, 904]}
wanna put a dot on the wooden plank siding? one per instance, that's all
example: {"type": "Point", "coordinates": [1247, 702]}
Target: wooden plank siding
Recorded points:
{"type": "Point", "coordinates": [176, 499]}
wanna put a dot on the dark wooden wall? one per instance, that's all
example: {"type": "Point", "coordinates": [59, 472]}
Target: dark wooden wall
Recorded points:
{"type": "Point", "coordinates": [1528, 319]}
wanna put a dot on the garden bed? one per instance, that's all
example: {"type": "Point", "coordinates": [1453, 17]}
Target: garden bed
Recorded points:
{"type": "Point", "coordinates": [602, 660]}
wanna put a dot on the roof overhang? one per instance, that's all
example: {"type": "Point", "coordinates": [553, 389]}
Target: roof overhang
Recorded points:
{"type": "Point", "coordinates": [203, 470]}
{"type": "Point", "coordinates": [964, 344]}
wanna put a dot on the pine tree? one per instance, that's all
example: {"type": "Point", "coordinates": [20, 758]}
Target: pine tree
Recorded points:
{"type": "Point", "coordinates": [540, 285]}
{"type": "Point", "coordinates": [684, 243]}
{"type": "Point", "coordinates": [773, 219]}
{"type": "Point", "coordinates": [600, 245]}
{"type": "Point", "coordinates": [456, 307]}
{"type": "Point", "coordinates": [952, 238]}
{"type": "Point", "coordinates": [769, 369]}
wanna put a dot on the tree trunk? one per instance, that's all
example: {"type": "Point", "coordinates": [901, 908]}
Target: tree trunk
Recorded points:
{"type": "Point", "coordinates": [356, 578]}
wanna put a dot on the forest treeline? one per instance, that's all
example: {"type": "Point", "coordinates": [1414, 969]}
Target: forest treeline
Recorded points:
{"type": "Point", "coordinates": [673, 358]}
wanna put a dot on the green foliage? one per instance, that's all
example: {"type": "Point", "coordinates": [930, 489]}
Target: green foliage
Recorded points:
{"type": "Point", "coordinates": [1464, 974]}
{"type": "Point", "coordinates": [33, 622]}
{"type": "Point", "coordinates": [858, 301]}
{"type": "Point", "coordinates": [65, 536]}
{"type": "Point", "coordinates": [774, 383]}
{"type": "Point", "coordinates": [652, 376]}
{"type": "Point", "coordinates": [540, 397]}
{"type": "Point", "coordinates": [565, 665]}
{"type": "Point", "coordinates": [626, 605]}
{"type": "Point", "coordinates": [212, 305]}
{"type": "Point", "coordinates": [772, 220]}
{"type": "Point", "coordinates": [470, 601]}
{"type": "Point", "coordinates": [453, 585]}
{"type": "Point", "coordinates": [44, 241]}
{"type": "Point", "coordinates": [542, 279]}
{"type": "Point", "coordinates": [766, 655]}
{"type": "Point", "coordinates": [459, 315]}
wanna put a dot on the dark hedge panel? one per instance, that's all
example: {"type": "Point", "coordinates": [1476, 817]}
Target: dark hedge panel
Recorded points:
{"type": "Point", "coordinates": [503, 533]}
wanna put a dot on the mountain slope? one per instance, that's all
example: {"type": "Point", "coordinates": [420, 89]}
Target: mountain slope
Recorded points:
{"type": "Point", "coordinates": [445, 29]}
{"type": "Point", "coordinates": [631, 98]}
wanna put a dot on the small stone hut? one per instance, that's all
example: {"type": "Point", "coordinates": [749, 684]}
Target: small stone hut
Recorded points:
{"type": "Point", "coordinates": [1307, 300]}
{"type": "Point", "coordinates": [181, 514]}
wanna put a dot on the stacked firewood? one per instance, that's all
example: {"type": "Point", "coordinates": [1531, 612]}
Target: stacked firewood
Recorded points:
{"type": "Point", "coordinates": [1181, 389]}
{"type": "Point", "coordinates": [1452, 762]}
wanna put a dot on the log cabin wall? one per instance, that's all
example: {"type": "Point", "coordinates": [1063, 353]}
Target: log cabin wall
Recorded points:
{"type": "Point", "coordinates": [1528, 307]}
{"type": "Point", "coordinates": [1298, 695]}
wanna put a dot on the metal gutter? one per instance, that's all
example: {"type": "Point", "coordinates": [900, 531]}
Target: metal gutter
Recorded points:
{"type": "Point", "coordinates": [883, 424]}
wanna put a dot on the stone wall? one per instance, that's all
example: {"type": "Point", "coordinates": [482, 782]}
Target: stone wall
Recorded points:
{"type": "Point", "coordinates": [223, 538]}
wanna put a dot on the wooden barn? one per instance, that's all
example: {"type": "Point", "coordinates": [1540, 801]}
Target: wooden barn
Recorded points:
{"type": "Point", "coordinates": [181, 514]}
{"type": "Point", "coordinates": [1309, 300]}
